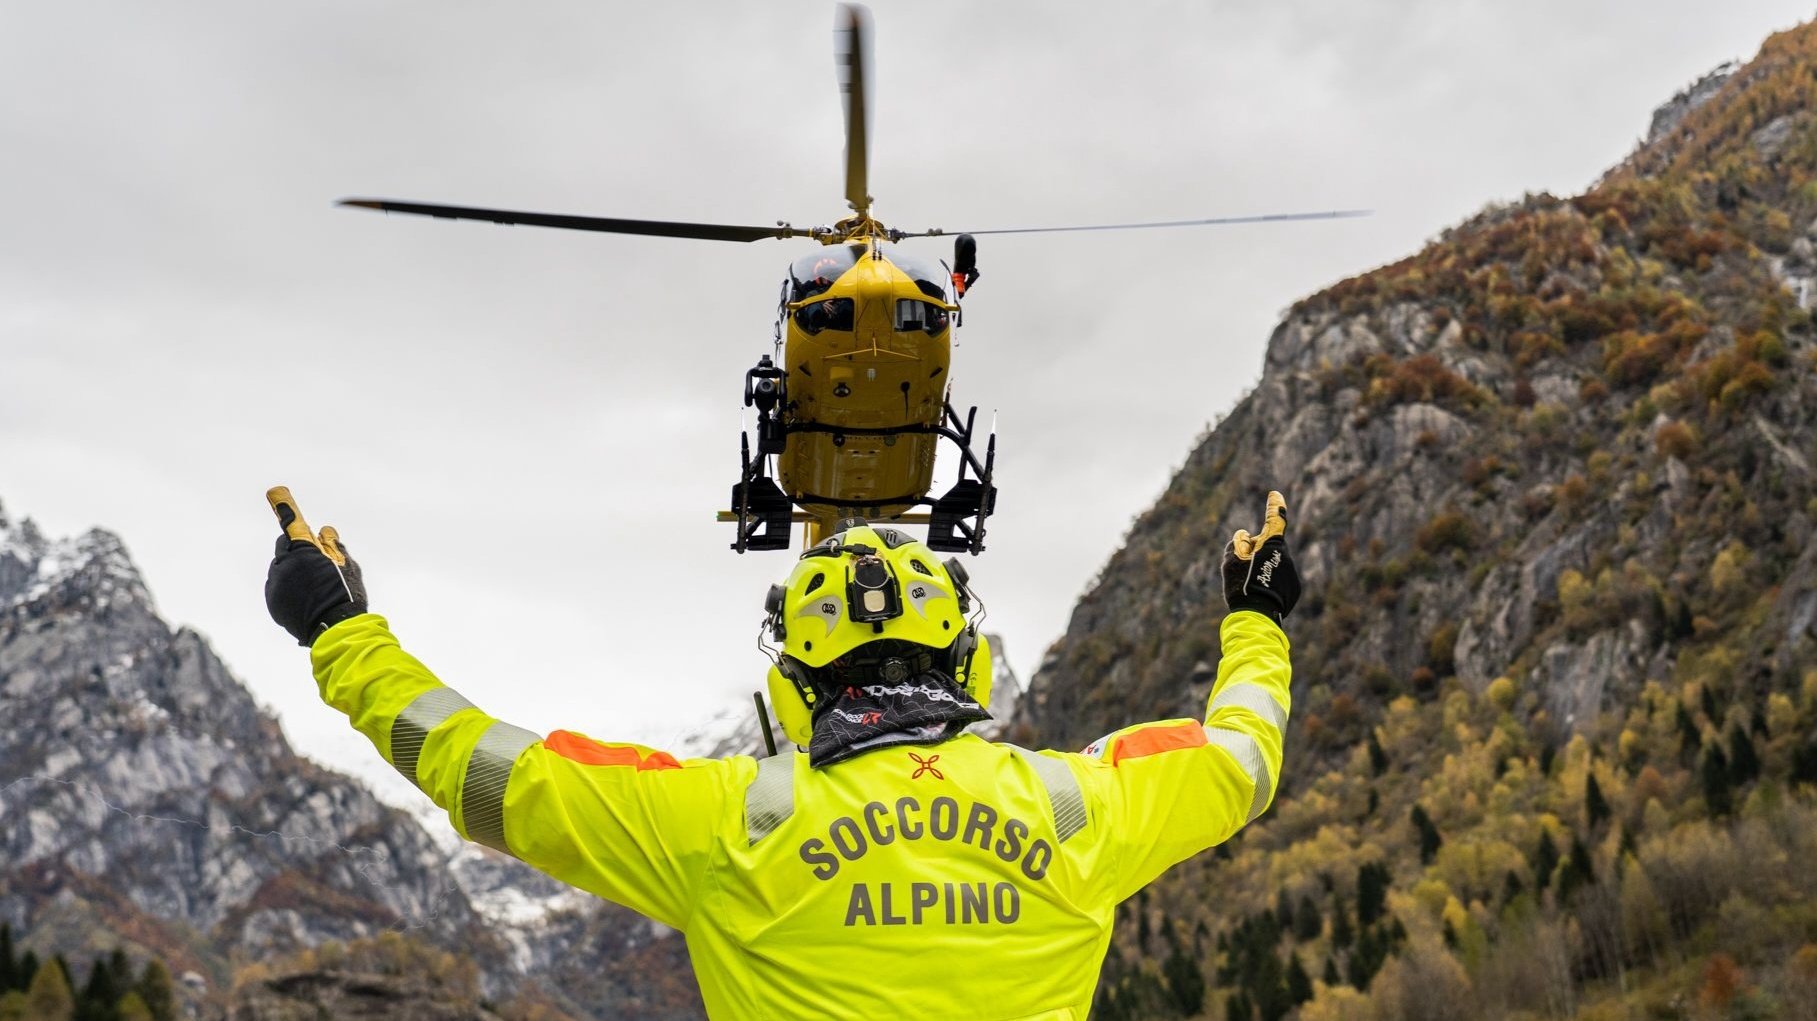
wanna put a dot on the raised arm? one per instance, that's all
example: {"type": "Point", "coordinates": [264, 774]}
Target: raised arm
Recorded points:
{"type": "Point", "coordinates": [1174, 788]}
{"type": "Point", "coordinates": [622, 821]}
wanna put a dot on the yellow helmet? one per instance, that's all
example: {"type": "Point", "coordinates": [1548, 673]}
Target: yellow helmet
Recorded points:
{"type": "Point", "coordinates": [868, 584]}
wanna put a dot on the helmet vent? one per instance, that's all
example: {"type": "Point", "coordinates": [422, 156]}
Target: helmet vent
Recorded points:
{"type": "Point", "coordinates": [814, 583]}
{"type": "Point", "coordinates": [919, 566]}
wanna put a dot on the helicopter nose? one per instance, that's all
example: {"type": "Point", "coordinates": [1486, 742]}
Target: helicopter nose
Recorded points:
{"type": "Point", "coordinates": [876, 298]}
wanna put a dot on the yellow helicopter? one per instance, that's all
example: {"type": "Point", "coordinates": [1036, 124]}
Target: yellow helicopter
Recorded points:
{"type": "Point", "coordinates": [856, 397]}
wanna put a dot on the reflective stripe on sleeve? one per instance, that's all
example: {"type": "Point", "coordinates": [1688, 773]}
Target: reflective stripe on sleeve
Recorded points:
{"type": "Point", "coordinates": [1064, 798]}
{"type": "Point", "coordinates": [1248, 754]}
{"type": "Point", "coordinates": [1254, 698]}
{"type": "Point", "coordinates": [483, 785]}
{"type": "Point", "coordinates": [770, 799]}
{"type": "Point", "coordinates": [426, 712]}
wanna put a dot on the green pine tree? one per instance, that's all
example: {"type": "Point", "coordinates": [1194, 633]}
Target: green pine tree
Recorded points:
{"type": "Point", "coordinates": [99, 999]}
{"type": "Point", "coordinates": [1360, 969]}
{"type": "Point", "coordinates": [9, 962]}
{"type": "Point", "coordinates": [159, 993]}
{"type": "Point", "coordinates": [49, 998]}
{"type": "Point", "coordinates": [1307, 922]}
{"type": "Point", "coordinates": [1744, 762]}
{"type": "Point", "coordinates": [1596, 807]}
{"type": "Point", "coordinates": [1545, 860]}
{"type": "Point", "coordinates": [1378, 759]}
{"type": "Point", "coordinates": [1299, 984]}
{"type": "Point", "coordinates": [1713, 775]}
{"type": "Point", "coordinates": [1430, 840]}
{"type": "Point", "coordinates": [1331, 976]}
{"type": "Point", "coordinates": [1804, 762]}
{"type": "Point", "coordinates": [1689, 739]}
{"type": "Point", "coordinates": [1185, 982]}
{"type": "Point", "coordinates": [1268, 986]}
{"type": "Point", "coordinates": [133, 1008]}
{"type": "Point", "coordinates": [1578, 870]}
{"type": "Point", "coordinates": [1341, 932]}
{"type": "Point", "coordinates": [1372, 880]}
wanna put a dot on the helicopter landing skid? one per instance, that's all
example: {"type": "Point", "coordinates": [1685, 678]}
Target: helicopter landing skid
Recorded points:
{"type": "Point", "coordinates": [763, 511]}
{"type": "Point", "coordinates": [974, 498]}
{"type": "Point", "coordinates": [955, 521]}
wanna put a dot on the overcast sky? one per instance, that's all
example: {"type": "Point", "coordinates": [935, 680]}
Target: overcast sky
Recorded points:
{"type": "Point", "coordinates": [523, 434]}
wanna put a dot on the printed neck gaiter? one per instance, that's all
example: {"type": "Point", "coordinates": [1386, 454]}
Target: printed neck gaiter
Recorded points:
{"type": "Point", "coordinates": [927, 708]}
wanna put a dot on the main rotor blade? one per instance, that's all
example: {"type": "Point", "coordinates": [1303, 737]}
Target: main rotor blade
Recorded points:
{"type": "Point", "coordinates": [852, 56]}
{"type": "Point", "coordinates": [655, 228]}
{"type": "Point", "coordinates": [1335, 214]}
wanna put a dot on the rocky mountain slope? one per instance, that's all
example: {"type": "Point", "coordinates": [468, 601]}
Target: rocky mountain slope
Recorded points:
{"type": "Point", "coordinates": [147, 793]}
{"type": "Point", "coordinates": [1553, 501]}
{"type": "Point", "coordinates": [147, 801]}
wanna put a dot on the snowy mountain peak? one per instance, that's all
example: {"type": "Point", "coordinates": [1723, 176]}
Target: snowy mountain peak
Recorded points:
{"type": "Point", "coordinates": [93, 570]}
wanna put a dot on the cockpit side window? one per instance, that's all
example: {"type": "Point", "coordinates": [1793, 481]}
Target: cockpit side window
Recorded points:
{"type": "Point", "coordinates": [831, 314]}
{"type": "Point", "coordinates": [919, 315]}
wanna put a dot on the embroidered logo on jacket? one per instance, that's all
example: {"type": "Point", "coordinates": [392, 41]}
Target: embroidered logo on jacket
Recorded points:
{"type": "Point", "coordinates": [925, 766]}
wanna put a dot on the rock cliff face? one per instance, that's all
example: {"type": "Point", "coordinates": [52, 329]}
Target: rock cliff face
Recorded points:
{"type": "Point", "coordinates": [147, 800]}
{"type": "Point", "coordinates": [354, 996]}
{"type": "Point", "coordinates": [1552, 498]}
{"type": "Point", "coordinates": [145, 791]}
{"type": "Point", "coordinates": [1523, 451]}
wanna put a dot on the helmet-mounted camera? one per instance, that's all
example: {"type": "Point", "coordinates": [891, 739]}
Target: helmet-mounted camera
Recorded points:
{"type": "Point", "coordinates": [872, 595]}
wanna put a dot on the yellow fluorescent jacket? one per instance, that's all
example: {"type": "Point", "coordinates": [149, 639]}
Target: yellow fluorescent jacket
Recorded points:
{"type": "Point", "coordinates": [959, 880]}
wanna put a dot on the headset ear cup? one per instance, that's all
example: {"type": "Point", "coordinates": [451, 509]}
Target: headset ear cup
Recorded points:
{"type": "Point", "coordinates": [978, 673]}
{"type": "Point", "coordinates": [772, 608]}
{"type": "Point", "coordinates": [792, 710]}
{"type": "Point", "coordinates": [961, 579]}
{"type": "Point", "coordinates": [972, 665]}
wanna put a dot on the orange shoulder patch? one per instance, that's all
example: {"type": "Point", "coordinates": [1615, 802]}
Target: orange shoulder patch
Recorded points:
{"type": "Point", "coordinates": [1163, 737]}
{"type": "Point", "coordinates": [588, 752]}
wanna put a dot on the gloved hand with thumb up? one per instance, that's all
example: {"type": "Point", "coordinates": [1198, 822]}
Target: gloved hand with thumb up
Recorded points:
{"type": "Point", "coordinates": [312, 583]}
{"type": "Point", "coordinates": [1258, 571]}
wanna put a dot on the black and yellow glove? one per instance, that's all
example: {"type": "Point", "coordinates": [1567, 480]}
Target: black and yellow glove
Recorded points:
{"type": "Point", "coordinates": [312, 583]}
{"type": "Point", "coordinates": [1258, 572]}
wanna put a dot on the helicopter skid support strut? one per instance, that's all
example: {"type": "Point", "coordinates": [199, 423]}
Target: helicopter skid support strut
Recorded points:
{"type": "Point", "coordinates": [763, 512]}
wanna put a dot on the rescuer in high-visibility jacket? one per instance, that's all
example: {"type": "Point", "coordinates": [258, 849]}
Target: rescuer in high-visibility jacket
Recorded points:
{"type": "Point", "coordinates": [895, 866]}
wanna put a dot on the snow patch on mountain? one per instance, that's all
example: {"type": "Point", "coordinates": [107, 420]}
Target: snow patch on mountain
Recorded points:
{"type": "Point", "coordinates": [32, 568]}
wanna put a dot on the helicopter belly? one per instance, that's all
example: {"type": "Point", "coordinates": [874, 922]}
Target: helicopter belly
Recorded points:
{"type": "Point", "coordinates": [880, 475]}
{"type": "Point", "coordinates": [863, 409]}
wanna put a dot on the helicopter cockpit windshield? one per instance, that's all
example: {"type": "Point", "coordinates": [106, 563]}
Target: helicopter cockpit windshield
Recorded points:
{"type": "Point", "coordinates": [926, 275]}
{"type": "Point", "coordinates": [813, 274]}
